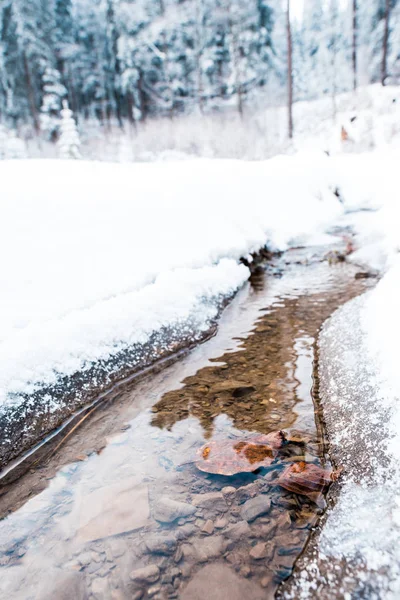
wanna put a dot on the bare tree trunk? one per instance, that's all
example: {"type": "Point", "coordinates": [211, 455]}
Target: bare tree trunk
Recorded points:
{"type": "Point", "coordinates": [385, 43]}
{"type": "Point", "coordinates": [333, 62]}
{"type": "Point", "coordinates": [236, 60]}
{"type": "Point", "coordinates": [31, 94]}
{"type": "Point", "coordinates": [199, 53]}
{"type": "Point", "coordinates": [290, 71]}
{"type": "Point", "coordinates": [354, 54]}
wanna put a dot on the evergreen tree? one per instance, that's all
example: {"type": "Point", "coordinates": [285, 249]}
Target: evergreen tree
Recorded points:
{"type": "Point", "coordinates": [53, 94]}
{"type": "Point", "coordinates": [134, 59]}
{"type": "Point", "coordinates": [69, 142]}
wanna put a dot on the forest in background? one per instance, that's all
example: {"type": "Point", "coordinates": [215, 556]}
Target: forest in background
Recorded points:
{"type": "Point", "coordinates": [126, 61]}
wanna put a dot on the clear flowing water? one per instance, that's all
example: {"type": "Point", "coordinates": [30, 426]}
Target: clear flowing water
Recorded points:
{"type": "Point", "coordinates": [122, 510]}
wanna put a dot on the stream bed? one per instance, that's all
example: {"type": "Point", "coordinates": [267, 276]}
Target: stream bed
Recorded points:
{"type": "Point", "coordinates": [122, 510]}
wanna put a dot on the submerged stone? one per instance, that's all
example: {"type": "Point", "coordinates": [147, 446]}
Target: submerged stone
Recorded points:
{"type": "Point", "coordinates": [255, 507]}
{"type": "Point", "coordinates": [167, 510]}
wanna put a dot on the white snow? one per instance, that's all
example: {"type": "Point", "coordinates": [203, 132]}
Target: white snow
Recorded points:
{"type": "Point", "coordinates": [97, 256]}
{"type": "Point", "coordinates": [360, 392]}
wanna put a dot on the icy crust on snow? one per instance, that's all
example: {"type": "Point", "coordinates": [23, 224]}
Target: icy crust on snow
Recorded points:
{"type": "Point", "coordinates": [357, 552]}
{"type": "Point", "coordinates": [369, 182]}
{"type": "Point", "coordinates": [82, 337]}
{"type": "Point", "coordinates": [101, 256]}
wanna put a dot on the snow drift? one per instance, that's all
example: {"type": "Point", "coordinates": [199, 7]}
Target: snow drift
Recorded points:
{"type": "Point", "coordinates": [100, 257]}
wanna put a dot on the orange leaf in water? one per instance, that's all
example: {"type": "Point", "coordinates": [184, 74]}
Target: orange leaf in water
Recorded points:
{"type": "Point", "coordinates": [229, 457]}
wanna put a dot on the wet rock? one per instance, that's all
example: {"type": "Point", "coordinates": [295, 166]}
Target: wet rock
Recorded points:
{"type": "Point", "coordinates": [266, 531]}
{"type": "Point", "coordinates": [199, 523]}
{"type": "Point", "coordinates": [116, 509]}
{"type": "Point", "coordinates": [175, 572]}
{"type": "Point", "coordinates": [210, 547]}
{"type": "Point", "coordinates": [208, 527]}
{"type": "Point", "coordinates": [266, 582]}
{"type": "Point", "coordinates": [152, 591]}
{"type": "Point", "coordinates": [149, 574]}
{"type": "Point", "coordinates": [229, 493]}
{"type": "Point", "coordinates": [214, 501]}
{"type": "Point", "coordinates": [116, 548]}
{"type": "Point", "coordinates": [261, 550]}
{"type": "Point", "coordinates": [92, 567]}
{"type": "Point", "coordinates": [238, 530]}
{"type": "Point", "coordinates": [85, 559]}
{"type": "Point", "coordinates": [184, 520]}
{"type": "Point", "coordinates": [169, 577]}
{"type": "Point", "coordinates": [246, 492]}
{"type": "Point", "coordinates": [160, 545]}
{"type": "Point", "coordinates": [233, 558]}
{"type": "Point", "coordinates": [219, 582]}
{"type": "Point", "coordinates": [118, 594]}
{"type": "Point", "coordinates": [65, 586]}
{"type": "Point", "coordinates": [255, 507]}
{"type": "Point", "coordinates": [100, 588]}
{"type": "Point", "coordinates": [96, 557]}
{"type": "Point", "coordinates": [245, 571]}
{"type": "Point", "coordinates": [287, 540]}
{"type": "Point", "coordinates": [284, 521]}
{"type": "Point", "coordinates": [178, 555]}
{"type": "Point", "coordinates": [289, 503]}
{"type": "Point", "coordinates": [167, 510]}
{"type": "Point", "coordinates": [186, 570]}
{"type": "Point", "coordinates": [204, 549]}
{"type": "Point", "coordinates": [186, 531]}
{"type": "Point", "coordinates": [221, 523]}
{"type": "Point", "coordinates": [290, 551]}
{"type": "Point", "coordinates": [109, 555]}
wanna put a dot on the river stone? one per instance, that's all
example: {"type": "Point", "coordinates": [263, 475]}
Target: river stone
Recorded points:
{"type": "Point", "coordinates": [65, 586]}
{"type": "Point", "coordinates": [260, 550]}
{"type": "Point", "coordinates": [152, 591]}
{"type": "Point", "coordinates": [113, 510]}
{"type": "Point", "coordinates": [100, 588]}
{"type": "Point", "coordinates": [255, 507]}
{"type": "Point", "coordinates": [229, 493]}
{"type": "Point", "coordinates": [186, 531]}
{"type": "Point", "coordinates": [208, 527]}
{"type": "Point", "coordinates": [149, 574]}
{"type": "Point", "coordinates": [246, 492]}
{"type": "Point", "coordinates": [160, 545]}
{"type": "Point", "coordinates": [221, 523]}
{"type": "Point", "coordinates": [219, 582]}
{"type": "Point", "coordinates": [238, 530]}
{"type": "Point", "coordinates": [211, 501]}
{"type": "Point", "coordinates": [210, 547]}
{"type": "Point", "coordinates": [167, 510]}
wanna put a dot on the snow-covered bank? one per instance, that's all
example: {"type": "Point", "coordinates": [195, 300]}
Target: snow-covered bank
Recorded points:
{"type": "Point", "coordinates": [101, 257]}
{"type": "Point", "coordinates": [357, 552]}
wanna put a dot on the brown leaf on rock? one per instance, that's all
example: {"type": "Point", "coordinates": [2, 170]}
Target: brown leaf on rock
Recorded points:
{"type": "Point", "coordinates": [229, 457]}
{"type": "Point", "coordinates": [307, 479]}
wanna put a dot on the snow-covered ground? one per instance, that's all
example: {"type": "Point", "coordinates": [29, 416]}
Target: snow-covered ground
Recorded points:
{"type": "Point", "coordinates": [101, 255]}
{"type": "Point", "coordinates": [357, 554]}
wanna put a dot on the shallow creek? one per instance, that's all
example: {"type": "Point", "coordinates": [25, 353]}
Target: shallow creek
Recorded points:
{"type": "Point", "coordinates": [121, 509]}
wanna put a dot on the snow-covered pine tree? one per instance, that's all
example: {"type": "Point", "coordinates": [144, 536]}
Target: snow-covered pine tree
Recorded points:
{"type": "Point", "coordinates": [53, 94]}
{"type": "Point", "coordinates": [69, 142]}
{"type": "Point", "coordinates": [3, 142]}
{"type": "Point", "coordinates": [11, 146]}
